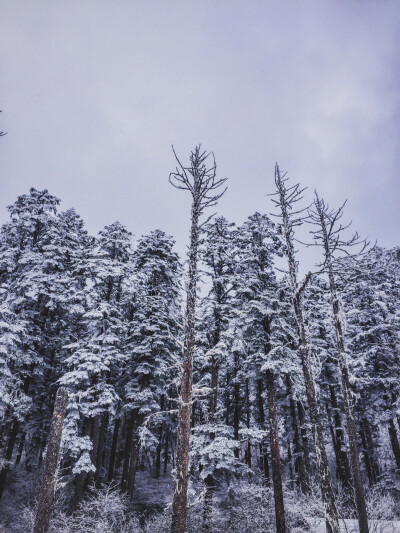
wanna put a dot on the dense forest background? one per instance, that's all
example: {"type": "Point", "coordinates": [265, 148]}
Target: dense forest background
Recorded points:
{"type": "Point", "coordinates": [104, 318]}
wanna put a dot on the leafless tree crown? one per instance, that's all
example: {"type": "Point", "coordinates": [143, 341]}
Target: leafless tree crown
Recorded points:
{"type": "Point", "coordinates": [199, 178]}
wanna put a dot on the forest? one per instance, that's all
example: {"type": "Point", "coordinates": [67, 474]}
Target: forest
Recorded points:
{"type": "Point", "coordinates": [231, 390]}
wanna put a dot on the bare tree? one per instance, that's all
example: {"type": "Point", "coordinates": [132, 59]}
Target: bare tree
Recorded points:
{"type": "Point", "coordinates": [201, 181]}
{"type": "Point", "coordinates": [46, 493]}
{"type": "Point", "coordinates": [287, 198]}
{"type": "Point", "coordinates": [328, 235]}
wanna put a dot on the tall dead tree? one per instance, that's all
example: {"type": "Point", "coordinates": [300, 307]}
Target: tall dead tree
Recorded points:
{"type": "Point", "coordinates": [46, 493]}
{"type": "Point", "coordinates": [328, 235]}
{"type": "Point", "coordinates": [201, 181]}
{"type": "Point", "coordinates": [287, 198]}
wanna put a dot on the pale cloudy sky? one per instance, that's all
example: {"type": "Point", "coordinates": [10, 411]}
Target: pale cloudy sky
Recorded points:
{"type": "Point", "coordinates": [94, 93]}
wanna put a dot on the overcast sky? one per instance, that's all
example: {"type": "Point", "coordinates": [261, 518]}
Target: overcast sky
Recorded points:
{"type": "Point", "coordinates": [95, 92]}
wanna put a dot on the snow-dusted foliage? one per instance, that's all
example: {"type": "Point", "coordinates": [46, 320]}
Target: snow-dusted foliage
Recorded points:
{"type": "Point", "coordinates": [102, 316]}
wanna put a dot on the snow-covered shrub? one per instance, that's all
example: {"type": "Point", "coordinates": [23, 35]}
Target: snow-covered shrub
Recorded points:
{"type": "Point", "coordinates": [382, 505]}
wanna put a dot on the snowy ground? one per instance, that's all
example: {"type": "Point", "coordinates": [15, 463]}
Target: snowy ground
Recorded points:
{"type": "Point", "coordinates": [351, 526]}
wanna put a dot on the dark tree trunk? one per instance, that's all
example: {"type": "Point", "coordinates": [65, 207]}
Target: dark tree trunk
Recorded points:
{"type": "Point", "coordinates": [263, 445]}
{"type": "Point", "coordinates": [8, 455]}
{"type": "Point", "coordinates": [210, 483]}
{"type": "Point", "coordinates": [127, 455]}
{"type": "Point", "coordinates": [343, 465]}
{"type": "Point", "coordinates": [248, 450]}
{"type": "Point", "coordinates": [304, 441]}
{"type": "Point", "coordinates": [275, 455]}
{"type": "Point", "coordinates": [96, 423]}
{"type": "Point", "coordinates": [20, 448]}
{"type": "Point", "coordinates": [158, 452]}
{"type": "Point", "coordinates": [46, 492]}
{"type": "Point", "coordinates": [166, 445]}
{"type": "Point", "coordinates": [367, 453]}
{"type": "Point", "coordinates": [299, 467]}
{"type": "Point", "coordinates": [100, 449]}
{"type": "Point", "coordinates": [113, 452]}
{"type": "Point", "coordinates": [394, 441]}
{"type": "Point", "coordinates": [236, 403]}
{"type": "Point", "coordinates": [134, 456]}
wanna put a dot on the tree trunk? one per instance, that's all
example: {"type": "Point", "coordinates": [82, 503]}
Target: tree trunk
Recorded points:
{"type": "Point", "coordinates": [127, 455]}
{"type": "Point", "coordinates": [299, 468]}
{"type": "Point", "coordinates": [210, 483]}
{"type": "Point", "coordinates": [183, 435]}
{"type": "Point", "coordinates": [134, 456]}
{"type": "Point", "coordinates": [8, 455]}
{"type": "Point", "coordinates": [263, 445]}
{"type": "Point", "coordinates": [113, 452]}
{"type": "Point", "coordinates": [394, 441]}
{"type": "Point", "coordinates": [46, 493]}
{"type": "Point", "coordinates": [166, 445]}
{"type": "Point", "coordinates": [275, 455]}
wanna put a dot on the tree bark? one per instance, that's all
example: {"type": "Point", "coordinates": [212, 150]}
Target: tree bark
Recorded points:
{"type": "Point", "coordinates": [394, 441]}
{"type": "Point", "coordinates": [275, 455]}
{"type": "Point", "coordinates": [46, 493]}
{"type": "Point", "coordinates": [113, 452]}
{"type": "Point", "coordinates": [183, 436]}
{"type": "Point", "coordinates": [299, 468]}
{"type": "Point", "coordinates": [8, 455]}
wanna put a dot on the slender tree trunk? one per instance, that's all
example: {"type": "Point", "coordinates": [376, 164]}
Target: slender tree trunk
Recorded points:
{"type": "Point", "coordinates": [210, 483]}
{"type": "Point", "coordinates": [96, 424]}
{"type": "Point", "coordinates": [248, 450]}
{"type": "Point", "coordinates": [275, 455]}
{"type": "Point", "coordinates": [127, 455]}
{"type": "Point", "coordinates": [8, 455]}
{"type": "Point", "coordinates": [394, 441]}
{"type": "Point", "coordinates": [183, 436]}
{"type": "Point", "coordinates": [236, 403]}
{"type": "Point", "coordinates": [299, 468]}
{"type": "Point", "coordinates": [304, 442]}
{"type": "Point", "coordinates": [113, 452]}
{"type": "Point", "coordinates": [166, 450]}
{"type": "Point", "coordinates": [339, 443]}
{"type": "Point", "coordinates": [46, 493]}
{"type": "Point", "coordinates": [134, 456]}
{"type": "Point", "coordinates": [263, 445]}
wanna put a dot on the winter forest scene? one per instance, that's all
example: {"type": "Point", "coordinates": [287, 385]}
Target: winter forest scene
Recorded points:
{"type": "Point", "coordinates": [199, 266]}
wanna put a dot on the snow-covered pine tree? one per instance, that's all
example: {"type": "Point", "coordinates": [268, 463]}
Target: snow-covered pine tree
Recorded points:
{"type": "Point", "coordinates": [33, 272]}
{"type": "Point", "coordinates": [96, 357]}
{"type": "Point", "coordinates": [152, 348]}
